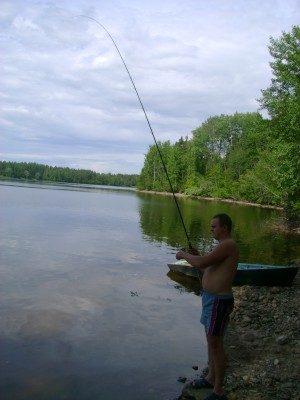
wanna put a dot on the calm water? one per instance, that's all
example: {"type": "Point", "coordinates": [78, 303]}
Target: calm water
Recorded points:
{"type": "Point", "coordinates": [88, 309]}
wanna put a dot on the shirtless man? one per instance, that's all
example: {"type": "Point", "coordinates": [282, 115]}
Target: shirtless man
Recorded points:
{"type": "Point", "coordinates": [219, 268]}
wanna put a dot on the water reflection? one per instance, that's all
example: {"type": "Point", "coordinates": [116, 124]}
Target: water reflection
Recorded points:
{"type": "Point", "coordinates": [185, 283]}
{"type": "Point", "coordinates": [254, 227]}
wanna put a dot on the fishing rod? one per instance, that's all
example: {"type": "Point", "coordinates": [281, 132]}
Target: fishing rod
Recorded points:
{"type": "Point", "coordinates": [151, 130]}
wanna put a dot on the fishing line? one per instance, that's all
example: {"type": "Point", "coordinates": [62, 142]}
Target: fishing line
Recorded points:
{"type": "Point", "coordinates": [151, 130]}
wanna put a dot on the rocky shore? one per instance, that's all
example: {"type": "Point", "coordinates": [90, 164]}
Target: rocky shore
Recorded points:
{"type": "Point", "coordinates": [262, 345]}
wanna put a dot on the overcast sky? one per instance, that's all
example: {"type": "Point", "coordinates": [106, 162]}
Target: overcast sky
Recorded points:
{"type": "Point", "coordinates": [66, 98]}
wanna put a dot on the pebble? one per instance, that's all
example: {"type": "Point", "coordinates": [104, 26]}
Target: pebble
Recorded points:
{"type": "Point", "coordinates": [282, 339]}
{"type": "Point", "coordinates": [275, 290]}
{"type": "Point", "coordinates": [246, 318]}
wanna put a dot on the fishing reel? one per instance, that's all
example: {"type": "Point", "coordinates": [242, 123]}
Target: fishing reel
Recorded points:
{"type": "Point", "coordinates": [191, 250]}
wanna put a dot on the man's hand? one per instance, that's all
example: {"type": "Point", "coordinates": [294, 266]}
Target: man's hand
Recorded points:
{"type": "Point", "coordinates": [193, 251]}
{"type": "Point", "coordinates": [179, 255]}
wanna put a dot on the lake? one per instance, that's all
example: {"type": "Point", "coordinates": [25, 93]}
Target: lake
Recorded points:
{"type": "Point", "coordinates": [88, 308]}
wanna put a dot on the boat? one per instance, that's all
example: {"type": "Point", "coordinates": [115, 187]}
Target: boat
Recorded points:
{"type": "Point", "coordinates": [247, 274]}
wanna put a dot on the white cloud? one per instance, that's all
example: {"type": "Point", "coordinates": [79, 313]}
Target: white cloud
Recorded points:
{"type": "Point", "coordinates": [66, 98]}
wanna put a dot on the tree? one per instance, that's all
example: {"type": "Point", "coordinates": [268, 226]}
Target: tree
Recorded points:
{"type": "Point", "coordinates": [226, 147]}
{"type": "Point", "coordinates": [282, 101]}
{"type": "Point", "coordinates": [252, 133]}
{"type": "Point", "coordinates": [151, 170]}
{"type": "Point", "coordinates": [182, 165]}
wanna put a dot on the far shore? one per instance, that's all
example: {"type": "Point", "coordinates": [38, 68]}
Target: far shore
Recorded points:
{"type": "Point", "coordinates": [282, 225]}
{"type": "Point", "coordinates": [240, 202]}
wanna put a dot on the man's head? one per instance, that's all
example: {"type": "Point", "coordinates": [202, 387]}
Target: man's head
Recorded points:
{"type": "Point", "coordinates": [221, 226]}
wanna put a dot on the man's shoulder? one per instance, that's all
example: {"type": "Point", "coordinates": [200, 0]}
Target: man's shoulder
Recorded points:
{"type": "Point", "coordinates": [227, 242]}
{"type": "Point", "coordinates": [228, 245]}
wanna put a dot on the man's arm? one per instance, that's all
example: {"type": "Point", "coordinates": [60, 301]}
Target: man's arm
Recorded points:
{"type": "Point", "coordinates": [217, 255]}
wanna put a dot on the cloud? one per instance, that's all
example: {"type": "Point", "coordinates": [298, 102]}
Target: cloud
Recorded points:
{"type": "Point", "coordinates": [66, 98]}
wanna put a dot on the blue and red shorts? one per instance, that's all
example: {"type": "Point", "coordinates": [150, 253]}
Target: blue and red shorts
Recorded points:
{"type": "Point", "coordinates": [215, 312]}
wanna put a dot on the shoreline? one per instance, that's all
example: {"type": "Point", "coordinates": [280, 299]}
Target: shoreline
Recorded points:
{"type": "Point", "coordinates": [281, 226]}
{"type": "Point", "coordinates": [230, 201]}
{"type": "Point", "coordinates": [262, 345]}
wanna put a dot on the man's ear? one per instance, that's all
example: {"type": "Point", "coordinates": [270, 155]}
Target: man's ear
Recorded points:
{"type": "Point", "coordinates": [224, 228]}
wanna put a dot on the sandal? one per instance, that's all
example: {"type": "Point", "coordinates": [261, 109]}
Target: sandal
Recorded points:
{"type": "Point", "coordinates": [201, 383]}
{"type": "Point", "coordinates": [214, 396]}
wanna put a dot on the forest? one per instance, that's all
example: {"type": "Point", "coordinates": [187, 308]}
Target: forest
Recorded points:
{"type": "Point", "coordinates": [40, 172]}
{"type": "Point", "coordinates": [242, 156]}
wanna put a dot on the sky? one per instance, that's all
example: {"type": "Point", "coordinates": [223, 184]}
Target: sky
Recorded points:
{"type": "Point", "coordinates": [66, 98]}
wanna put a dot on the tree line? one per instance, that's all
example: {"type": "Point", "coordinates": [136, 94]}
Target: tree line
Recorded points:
{"type": "Point", "coordinates": [40, 172]}
{"type": "Point", "coordinates": [242, 156]}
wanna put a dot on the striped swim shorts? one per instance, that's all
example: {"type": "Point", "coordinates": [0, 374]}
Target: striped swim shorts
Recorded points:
{"type": "Point", "coordinates": [215, 312]}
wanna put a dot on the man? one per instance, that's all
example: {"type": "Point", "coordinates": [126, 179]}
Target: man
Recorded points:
{"type": "Point", "coordinates": [219, 268]}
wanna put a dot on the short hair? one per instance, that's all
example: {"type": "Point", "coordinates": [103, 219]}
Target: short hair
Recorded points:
{"type": "Point", "coordinates": [224, 220]}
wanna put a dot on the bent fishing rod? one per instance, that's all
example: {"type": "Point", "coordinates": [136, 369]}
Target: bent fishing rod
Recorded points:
{"type": "Point", "coordinates": [151, 130]}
